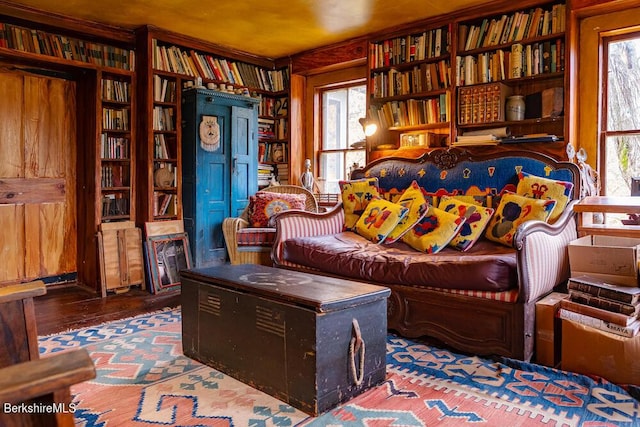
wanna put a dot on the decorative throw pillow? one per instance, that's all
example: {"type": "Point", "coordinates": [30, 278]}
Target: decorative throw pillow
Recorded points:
{"type": "Point", "coordinates": [512, 211]}
{"type": "Point", "coordinates": [476, 219]}
{"type": "Point", "coordinates": [379, 218]}
{"type": "Point", "coordinates": [433, 232]}
{"type": "Point", "coordinates": [538, 187]}
{"type": "Point", "coordinates": [264, 204]}
{"type": "Point", "coordinates": [412, 199]}
{"type": "Point", "coordinates": [356, 195]}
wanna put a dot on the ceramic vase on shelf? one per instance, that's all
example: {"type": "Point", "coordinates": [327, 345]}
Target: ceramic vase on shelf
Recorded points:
{"type": "Point", "coordinates": [515, 108]}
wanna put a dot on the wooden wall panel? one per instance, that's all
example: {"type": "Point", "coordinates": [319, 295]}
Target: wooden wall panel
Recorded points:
{"type": "Point", "coordinates": [11, 149]}
{"type": "Point", "coordinates": [12, 250]}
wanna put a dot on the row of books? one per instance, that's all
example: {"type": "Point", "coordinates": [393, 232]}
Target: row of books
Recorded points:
{"type": "Point", "coordinates": [482, 103]}
{"type": "Point", "coordinates": [115, 90]}
{"type": "Point", "coordinates": [423, 78]}
{"type": "Point", "coordinates": [194, 64]}
{"type": "Point", "coordinates": [113, 147]}
{"type": "Point", "coordinates": [163, 149]}
{"type": "Point", "coordinates": [164, 90]}
{"type": "Point", "coordinates": [521, 25]}
{"type": "Point", "coordinates": [273, 107]}
{"type": "Point", "coordinates": [272, 128]}
{"type": "Point", "coordinates": [273, 152]}
{"type": "Point", "coordinates": [415, 47]}
{"type": "Point", "coordinates": [115, 119]}
{"type": "Point", "coordinates": [44, 43]}
{"type": "Point", "coordinates": [282, 173]}
{"type": "Point", "coordinates": [164, 204]}
{"type": "Point", "coordinates": [114, 176]}
{"type": "Point", "coordinates": [520, 61]}
{"type": "Point", "coordinates": [163, 119]}
{"type": "Point", "coordinates": [115, 205]}
{"type": "Point", "coordinates": [412, 112]}
{"type": "Point", "coordinates": [266, 175]}
{"type": "Point", "coordinates": [608, 307]}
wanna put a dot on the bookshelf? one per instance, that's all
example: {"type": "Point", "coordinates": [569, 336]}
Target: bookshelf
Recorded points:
{"type": "Point", "coordinates": [117, 134]}
{"type": "Point", "coordinates": [438, 79]}
{"type": "Point", "coordinates": [523, 53]}
{"type": "Point", "coordinates": [273, 136]}
{"type": "Point", "coordinates": [168, 63]}
{"type": "Point", "coordinates": [410, 84]}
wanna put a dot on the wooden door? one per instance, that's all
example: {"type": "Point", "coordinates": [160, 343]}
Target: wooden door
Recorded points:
{"type": "Point", "coordinates": [37, 176]}
{"type": "Point", "coordinates": [244, 170]}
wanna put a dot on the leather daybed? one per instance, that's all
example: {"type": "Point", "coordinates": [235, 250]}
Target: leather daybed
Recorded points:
{"type": "Point", "coordinates": [479, 301]}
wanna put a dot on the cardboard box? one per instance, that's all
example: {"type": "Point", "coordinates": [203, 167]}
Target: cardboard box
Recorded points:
{"type": "Point", "coordinates": [548, 330]}
{"type": "Point", "coordinates": [586, 350]}
{"type": "Point", "coordinates": [607, 258]}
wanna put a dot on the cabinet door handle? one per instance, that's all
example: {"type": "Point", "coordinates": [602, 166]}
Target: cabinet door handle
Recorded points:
{"type": "Point", "coordinates": [234, 165]}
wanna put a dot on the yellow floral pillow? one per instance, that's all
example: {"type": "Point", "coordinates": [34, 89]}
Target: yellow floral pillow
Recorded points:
{"type": "Point", "coordinates": [412, 199]}
{"type": "Point", "coordinates": [379, 218]}
{"type": "Point", "coordinates": [476, 220]}
{"type": "Point", "coordinates": [356, 195]}
{"type": "Point", "coordinates": [512, 211]}
{"type": "Point", "coordinates": [433, 232]}
{"type": "Point", "coordinates": [538, 187]}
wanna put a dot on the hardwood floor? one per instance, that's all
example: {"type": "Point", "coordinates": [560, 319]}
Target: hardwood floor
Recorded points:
{"type": "Point", "coordinates": [70, 306]}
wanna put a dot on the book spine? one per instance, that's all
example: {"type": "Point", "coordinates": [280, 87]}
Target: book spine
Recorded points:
{"type": "Point", "coordinates": [602, 292]}
{"type": "Point", "coordinates": [625, 331]}
{"type": "Point", "coordinates": [603, 303]}
{"type": "Point", "coordinates": [607, 316]}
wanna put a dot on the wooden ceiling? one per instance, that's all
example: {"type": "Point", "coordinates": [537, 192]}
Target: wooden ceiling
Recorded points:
{"type": "Point", "coordinates": [269, 28]}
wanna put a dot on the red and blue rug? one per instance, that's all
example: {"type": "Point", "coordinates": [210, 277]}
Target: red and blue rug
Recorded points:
{"type": "Point", "coordinates": [143, 379]}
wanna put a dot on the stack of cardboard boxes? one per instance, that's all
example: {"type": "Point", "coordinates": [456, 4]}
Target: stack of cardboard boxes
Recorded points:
{"type": "Point", "coordinates": [584, 348]}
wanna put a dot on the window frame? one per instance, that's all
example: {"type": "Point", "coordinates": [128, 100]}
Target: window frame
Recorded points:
{"type": "Point", "coordinates": [604, 133]}
{"type": "Point", "coordinates": [319, 149]}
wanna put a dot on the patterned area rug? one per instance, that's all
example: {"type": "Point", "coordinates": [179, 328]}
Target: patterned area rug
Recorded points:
{"type": "Point", "coordinates": [143, 380]}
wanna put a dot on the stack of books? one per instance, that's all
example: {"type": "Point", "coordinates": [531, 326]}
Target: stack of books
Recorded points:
{"type": "Point", "coordinates": [608, 307]}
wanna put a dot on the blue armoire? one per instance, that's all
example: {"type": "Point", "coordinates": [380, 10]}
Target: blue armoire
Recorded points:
{"type": "Point", "coordinates": [219, 166]}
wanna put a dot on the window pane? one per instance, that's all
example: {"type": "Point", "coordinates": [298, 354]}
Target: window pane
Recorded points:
{"type": "Point", "coordinates": [334, 109]}
{"type": "Point", "coordinates": [357, 110]}
{"type": "Point", "coordinates": [623, 85]}
{"type": "Point", "coordinates": [623, 163]}
{"type": "Point", "coordinates": [331, 171]}
{"type": "Point", "coordinates": [355, 160]}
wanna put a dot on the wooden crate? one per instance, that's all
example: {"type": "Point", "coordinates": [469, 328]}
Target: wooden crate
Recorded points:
{"type": "Point", "coordinates": [121, 260]}
{"type": "Point", "coordinates": [287, 333]}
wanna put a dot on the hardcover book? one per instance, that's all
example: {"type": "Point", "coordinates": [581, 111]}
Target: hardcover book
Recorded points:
{"type": "Point", "coordinates": [627, 331]}
{"type": "Point", "coordinates": [625, 294]}
{"type": "Point", "coordinates": [599, 313]}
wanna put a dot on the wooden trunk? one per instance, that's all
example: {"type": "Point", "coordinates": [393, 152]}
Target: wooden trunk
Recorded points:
{"type": "Point", "coordinates": [286, 333]}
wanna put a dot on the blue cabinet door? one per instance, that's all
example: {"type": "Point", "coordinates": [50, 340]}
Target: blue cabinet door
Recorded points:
{"type": "Point", "coordinates": [219, 167]}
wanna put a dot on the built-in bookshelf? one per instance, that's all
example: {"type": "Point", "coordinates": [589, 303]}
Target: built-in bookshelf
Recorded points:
{"type": "Point", "coordinates": [410, 84]}
{"type": "Point", "coordinates": [435, 82]}
{"type": "Point", "coordinates": [524, 51]}
{"type": "Point", "coordinates": [273, 135]}
{"type": "Point", "coordinates": [165, 202]}
{"type": "Point", "coordinates": [169, 63]}
{"type": "Point", "coordinates": [39, 42]}
{"type": "Point", "coordinates": [115, 146]}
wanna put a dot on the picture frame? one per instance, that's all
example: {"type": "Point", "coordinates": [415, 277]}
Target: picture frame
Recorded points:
{"type": "Point", "coordinates": [167, 255]}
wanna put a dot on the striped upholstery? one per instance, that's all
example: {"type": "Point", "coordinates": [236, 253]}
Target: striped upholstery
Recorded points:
{"type": "Point", "coordinates": [256, 236]}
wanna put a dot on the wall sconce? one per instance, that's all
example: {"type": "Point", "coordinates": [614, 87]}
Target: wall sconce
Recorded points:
{"type": "Point", "coordinates": [369, 126]}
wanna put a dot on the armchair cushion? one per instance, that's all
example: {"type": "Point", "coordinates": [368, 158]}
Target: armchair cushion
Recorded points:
{"type": "Point", "coordinates": [263, 205]}
{"type": "Point", "coordinates": [356, 195]}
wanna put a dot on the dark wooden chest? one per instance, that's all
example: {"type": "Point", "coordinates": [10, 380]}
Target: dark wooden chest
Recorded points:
{"type": "Point", "coordinates": [308, 340]}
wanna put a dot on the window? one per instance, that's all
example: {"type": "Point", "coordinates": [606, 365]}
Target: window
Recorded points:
{"type": "Point", "coordinates": [619, 141]}
{"type": "Point", "coordinates": [341, 135]}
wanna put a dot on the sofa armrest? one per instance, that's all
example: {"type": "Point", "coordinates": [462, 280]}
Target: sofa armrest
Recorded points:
{"type": "Point", "coordinates": [230, 228]}
{"type": "Point", "coordinates": [295, 223]}
{"type": "Point", "coordinates": [542, 254]}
